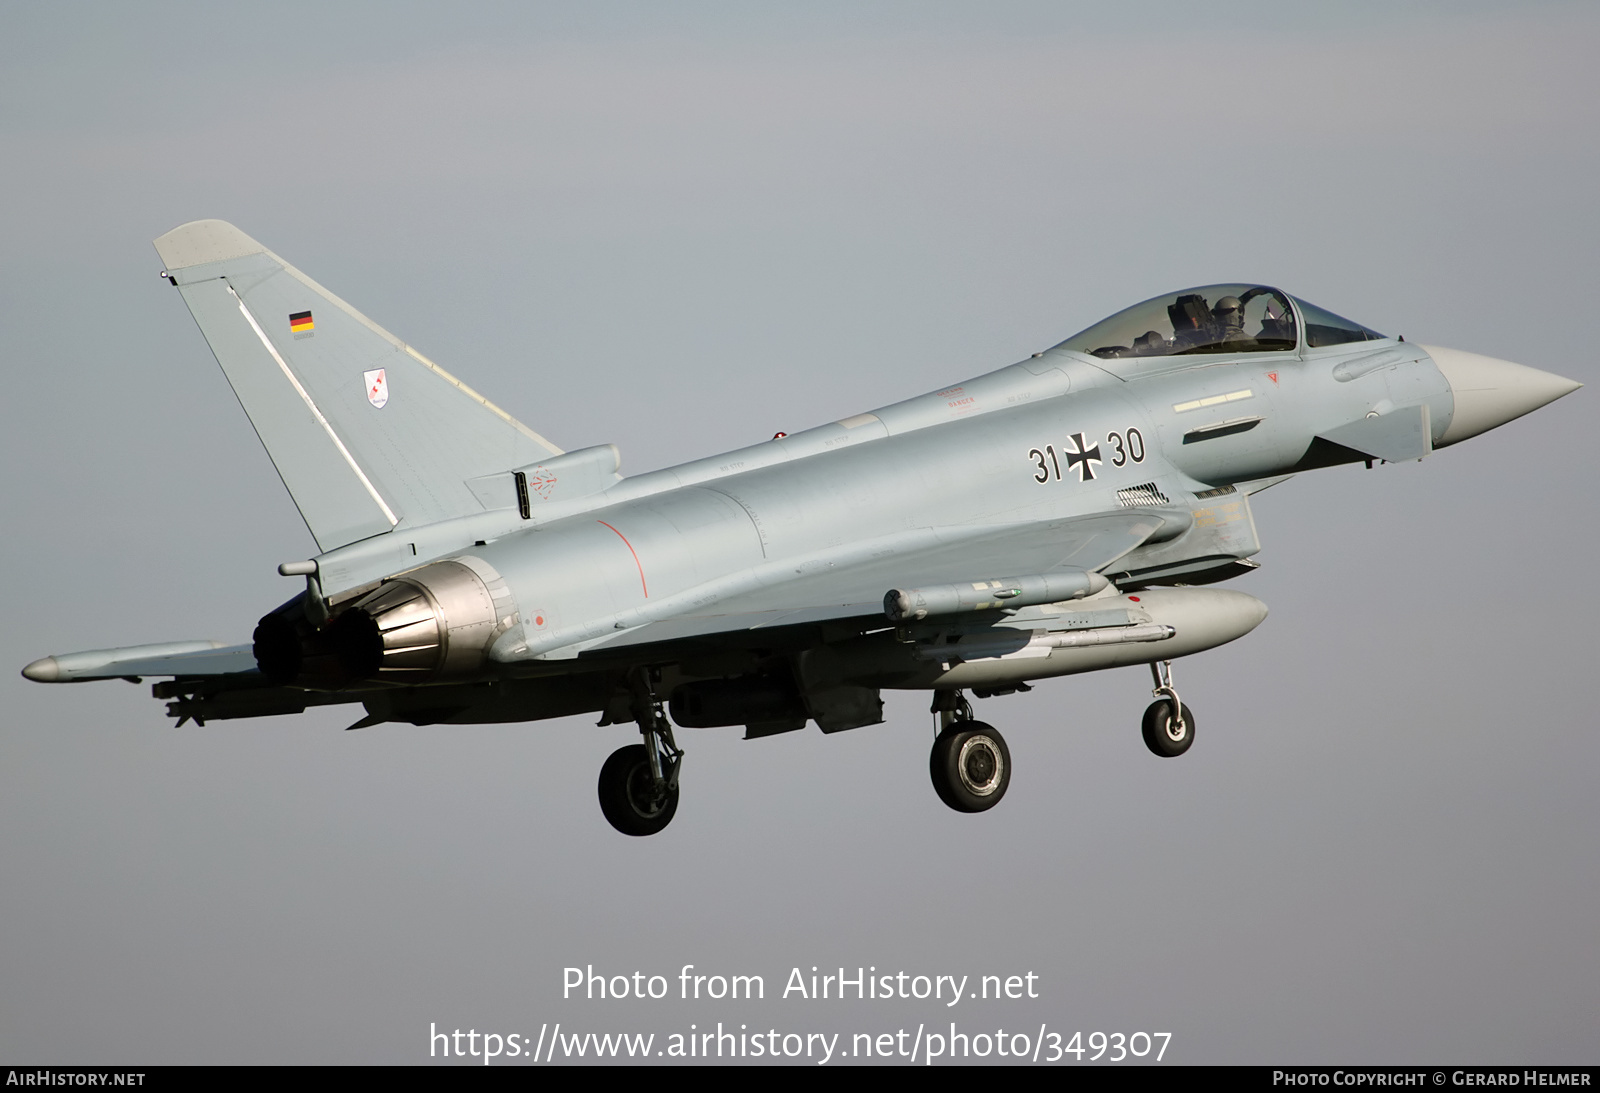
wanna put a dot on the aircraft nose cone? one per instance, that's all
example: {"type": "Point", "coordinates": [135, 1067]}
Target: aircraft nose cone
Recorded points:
{"type": "Point", "coordinates": [1490, 392]}
{"type": "Point", "coordinates": [43, 670]}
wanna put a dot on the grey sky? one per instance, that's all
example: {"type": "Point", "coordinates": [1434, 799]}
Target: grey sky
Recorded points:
{"type": "Point", "coordinates": [682, 232]}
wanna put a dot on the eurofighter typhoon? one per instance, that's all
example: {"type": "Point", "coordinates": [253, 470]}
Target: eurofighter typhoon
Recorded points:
{"type": "Point", "coordinates": [1064, 514]}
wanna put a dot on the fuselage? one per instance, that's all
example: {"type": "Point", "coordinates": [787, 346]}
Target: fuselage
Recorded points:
{"type": "Point", "coordinates": [1046, 518]}
{"type": "Point", "coordinates": [1058, 435]}
{"type": "Point", "coordinates": [1175, 410]}
{"type": "Point", "coordinates": [1051, 517]}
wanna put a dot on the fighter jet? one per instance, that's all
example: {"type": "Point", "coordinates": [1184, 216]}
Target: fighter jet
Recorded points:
{"type": "Point", "coordinates": [1064, 514]}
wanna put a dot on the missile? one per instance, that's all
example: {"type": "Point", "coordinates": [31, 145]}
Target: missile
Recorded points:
{"type": "Point", "coordinates": [903, 605]}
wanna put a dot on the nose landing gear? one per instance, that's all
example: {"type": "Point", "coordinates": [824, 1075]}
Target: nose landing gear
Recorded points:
{"type": "Point", "coordinates": [1168, 723]}
{"type": "Point", "coordinates": [970, 764]}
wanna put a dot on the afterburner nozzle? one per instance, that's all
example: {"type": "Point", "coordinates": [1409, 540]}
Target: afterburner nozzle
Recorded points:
{"type": "Point", "coordinates": [432, 623]}
{"type": "Point", "coordinates": [435, 622]}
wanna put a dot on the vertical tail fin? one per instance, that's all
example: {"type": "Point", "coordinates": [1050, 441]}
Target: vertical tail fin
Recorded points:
{"type": "Point", "coordinates": [365, 432]}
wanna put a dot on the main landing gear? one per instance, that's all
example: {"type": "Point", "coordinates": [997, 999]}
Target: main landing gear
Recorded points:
{"type": "Point", "coordinates": [639, 783]}
{"type": "Point", "coordinates": [1168, 724]}
{"type": "Point", "coordinates": [970, 764]}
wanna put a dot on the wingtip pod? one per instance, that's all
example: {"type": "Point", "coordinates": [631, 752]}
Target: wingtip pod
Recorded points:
{"type": "Point", "coordinates": [164, 658]}
{"type": "Point", "coordinates": [201, 241]}
{"type": "Point", "coordinates": [43, 670]}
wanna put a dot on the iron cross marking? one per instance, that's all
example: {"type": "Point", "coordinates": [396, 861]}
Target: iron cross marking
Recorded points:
{"type": "Point", "coordinates": [1082, 458]}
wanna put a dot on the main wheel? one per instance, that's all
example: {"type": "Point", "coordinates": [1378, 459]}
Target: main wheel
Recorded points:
{"type": "Point", "coordinates": [628, 793]}
{"type": "Point", "coordinates": [970, 766]}
{"type": "Point", "coordinates": [1162, 733]}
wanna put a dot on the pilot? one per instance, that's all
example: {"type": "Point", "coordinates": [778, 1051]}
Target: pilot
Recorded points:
{"type": "Point", "coordinates": [1149, 344]}
{"type": "Point", "coordinates": [1227, 319]}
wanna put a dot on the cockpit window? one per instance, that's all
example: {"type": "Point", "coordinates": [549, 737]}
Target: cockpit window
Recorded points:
{"type": "Point", "coordinates": [1326, 328]}
{"type": "Point", "coordinates": [1213, 319]}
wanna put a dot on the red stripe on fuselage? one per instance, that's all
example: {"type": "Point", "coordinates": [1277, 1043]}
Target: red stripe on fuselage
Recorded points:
{"type": "Point", "coordinates": [635, 554]}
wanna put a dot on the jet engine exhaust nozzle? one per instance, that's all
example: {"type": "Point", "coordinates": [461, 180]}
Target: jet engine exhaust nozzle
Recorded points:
{"type": "Point", "coordinates": [434, 623]}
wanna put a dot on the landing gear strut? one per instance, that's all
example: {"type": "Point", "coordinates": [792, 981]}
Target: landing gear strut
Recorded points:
{"type": "Point", "coordinates": [970, 764]}
{"type": "Point", "coordinates": [639, 783]}
{"type": "Point", "coordinates": [1168, 724]}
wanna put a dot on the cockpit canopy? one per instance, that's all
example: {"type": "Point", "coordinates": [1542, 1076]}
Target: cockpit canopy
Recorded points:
{"type": "Point", "coordinates": [1215, 319]}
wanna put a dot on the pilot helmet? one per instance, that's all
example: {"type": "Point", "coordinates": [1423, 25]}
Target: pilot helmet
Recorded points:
{"type": "Point", "coordinates": [1229, 312]}
{"type": "Point", "coordinates": [1150, 342]}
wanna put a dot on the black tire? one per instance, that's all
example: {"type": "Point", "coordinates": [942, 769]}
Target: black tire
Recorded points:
{"type": "Point", "coordinates": [970, 766]}
{"type": "Point", "coordinates": [1162, 735]}
{"type": "Point", "coordinates": [627, 793]}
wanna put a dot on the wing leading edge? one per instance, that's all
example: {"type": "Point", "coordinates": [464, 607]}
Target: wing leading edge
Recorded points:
{"type": "Point", "coordinates": [183, 658]}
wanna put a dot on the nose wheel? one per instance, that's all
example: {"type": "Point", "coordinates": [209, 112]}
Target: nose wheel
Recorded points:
{"type": "Point", "coordinates": [970, 764]}
{"type": "Point", "coordinates": [1168, 724]}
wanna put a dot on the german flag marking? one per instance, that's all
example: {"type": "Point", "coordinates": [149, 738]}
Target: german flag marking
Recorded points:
{"type": "Point", "coordinates": [300, 323]}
